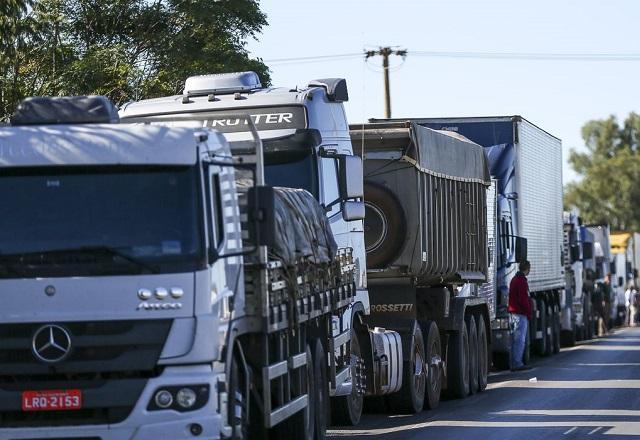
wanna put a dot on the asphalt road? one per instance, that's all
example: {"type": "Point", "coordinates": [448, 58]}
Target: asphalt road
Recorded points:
{"type": "Point", "coordinates": [588, 391]}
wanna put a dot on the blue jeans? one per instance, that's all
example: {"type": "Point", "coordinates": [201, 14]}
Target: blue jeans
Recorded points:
{"type": "Point", "coordinates": [519, 327]}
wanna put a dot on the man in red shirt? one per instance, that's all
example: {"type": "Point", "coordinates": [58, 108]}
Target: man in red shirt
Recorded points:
{"type": "Point", "coordinates": [520, 313]}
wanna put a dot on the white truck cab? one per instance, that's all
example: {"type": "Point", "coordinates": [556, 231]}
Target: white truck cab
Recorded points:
{"type": "Point", "coordinates": [113, 302]}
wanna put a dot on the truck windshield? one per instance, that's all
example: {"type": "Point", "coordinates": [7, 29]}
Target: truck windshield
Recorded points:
{"type": "Point", "coordinates": [72, 221]}
{"type": "Point", "coordinates": [292, 169]}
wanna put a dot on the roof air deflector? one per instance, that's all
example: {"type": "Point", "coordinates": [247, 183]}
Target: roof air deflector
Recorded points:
{"type": "Point", "coordinates": [221, 84]}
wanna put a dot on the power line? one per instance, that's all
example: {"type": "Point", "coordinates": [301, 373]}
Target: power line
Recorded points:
{"type": "Point", "coordinates": [533, 56]}
{"type": "Point", "coordinates": [524, 56]}
{"type": "Point", "coordinates": [314, 58]}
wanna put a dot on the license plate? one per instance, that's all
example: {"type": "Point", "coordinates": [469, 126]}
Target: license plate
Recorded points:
{"type": "Point", "coordinates": [51, 400]}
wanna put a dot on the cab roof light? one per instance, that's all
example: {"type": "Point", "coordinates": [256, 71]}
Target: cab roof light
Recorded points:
{"type": "Point", "coordinates": [336, 88]}
{"type": "Point", "coordinates": [45, 110]}
{"type": "Point", "coordinates": [222, 84]}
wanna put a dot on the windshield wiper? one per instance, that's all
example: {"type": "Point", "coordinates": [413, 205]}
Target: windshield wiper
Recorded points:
{"type": "Point", "coordinates": [108, 250]}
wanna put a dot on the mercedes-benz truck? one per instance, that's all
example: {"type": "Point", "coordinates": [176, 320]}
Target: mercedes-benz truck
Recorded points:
{"type": "Point", "coordinates": [154, 287]}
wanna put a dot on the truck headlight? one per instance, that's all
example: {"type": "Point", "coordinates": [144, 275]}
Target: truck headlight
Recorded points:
{"type": "Point", "coordinates": [180, 398]}
{"type": "Point", "coordinates": [186, 398]}
{"type": "Point", "coordinates": [163, 399]}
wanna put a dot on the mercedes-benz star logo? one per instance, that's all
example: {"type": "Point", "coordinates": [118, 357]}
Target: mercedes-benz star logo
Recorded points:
{"type": "Point", "coordinates": [51, 343]}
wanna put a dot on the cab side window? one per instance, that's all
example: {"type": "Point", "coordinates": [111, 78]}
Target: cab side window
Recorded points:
{"type": "Point", "coordinates": [330, 185]}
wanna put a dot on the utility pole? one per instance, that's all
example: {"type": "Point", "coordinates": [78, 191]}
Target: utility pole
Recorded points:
{"type": "Point", "coordinates": [385, 53]}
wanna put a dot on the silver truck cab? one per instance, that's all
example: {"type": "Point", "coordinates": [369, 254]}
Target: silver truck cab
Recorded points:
{"type": "Point", "coordinates": [109, 285]}
{"type": "Point", "coordinates": [309, 124]}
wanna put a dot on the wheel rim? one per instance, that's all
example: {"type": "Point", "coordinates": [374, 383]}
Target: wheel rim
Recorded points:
{"type": "Point", "coordinates": [465, 346]}
{"type": "Point", "coordinates": [356, 398]}
{"type": "Point", "coordinates": [419, 379]}
{"type": "Point", "coordinates": [435, 362]}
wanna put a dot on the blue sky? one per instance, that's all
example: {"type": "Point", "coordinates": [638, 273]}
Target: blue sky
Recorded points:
{"type": "Point", "coordinates": [559, 96]}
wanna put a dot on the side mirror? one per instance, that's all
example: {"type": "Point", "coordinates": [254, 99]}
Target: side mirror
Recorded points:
{"type": "Point", "coordinates": [262, 215]}
{"type": "Point", "coordinates": [575, 253]}
{"type": "Point", "coordinates": [587, 251]}
{"type": "Point", "coordinates": [521, 249]}
{"type": "Point", "coordinates": [351, 180]}
{"type": "Point", "coordinates": [352, 211]}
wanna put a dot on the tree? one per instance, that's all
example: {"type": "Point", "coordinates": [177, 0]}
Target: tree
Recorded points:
{"type": "Point", "coordinates": [124, 49]}
{"type": "Point", "coordinates": [609, 190]}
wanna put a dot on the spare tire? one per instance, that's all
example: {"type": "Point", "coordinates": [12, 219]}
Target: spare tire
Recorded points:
{"type": "Point", "coordinates": [384, 225]}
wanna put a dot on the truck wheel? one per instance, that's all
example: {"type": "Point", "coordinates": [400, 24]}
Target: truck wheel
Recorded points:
{"type": "Point", "coordinates": [321, 391]}
{"type": "Point", "coordinates": [548, 330]}
{"type": "Point", "coordinates": [434, 361]}
{"type": "Point", "coordinates": [410, 397]}
{"type": "Point", "coordinates": [347, 410]}
{"type": "Point", "coordinates": [483, 354]}
{"type": "Point", "coordinates": [556, 329]}
{"type": "Point", "coordinates": [237, 402]}
{"type": "Point", "coordinates": [541, 344]}
{"type": "Point", "coordinates": [501, 361]}
{"type": "Point", "coordinates": [384, 225]}
{"type": "Point", "coordinates": [473, 354]}
{"type": "Point", "coordinates": [458, 368]}
{"type": "Point", "coordinates": [302, 424]}
{"type": "Point", "coordinates": [568, 337]}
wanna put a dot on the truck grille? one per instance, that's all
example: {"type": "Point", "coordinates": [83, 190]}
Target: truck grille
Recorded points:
{"type": "Point", "coordinates": [110, 361]}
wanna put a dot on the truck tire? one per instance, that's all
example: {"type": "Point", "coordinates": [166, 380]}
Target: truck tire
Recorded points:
{"type": "Point", "coordinates": [556, 329]}
{"type": "Point", "coordinates": [501, 361]}
{"type": "Point", "coordinates": [238, 401]}
{"type": "Point", "coordinates": [473, 354]}
{"type": "Point", "coordinates": [483, 354]}
{"type": "Point", "coordinates": [548, 330]}
{"type": "Point", "coordinates": [568, 337]}
{"type": "Point", "coordinates": [347, 410]}
{"type": "Point", "coordinates": [410, 398]}
{"type": "Point", "coordinates": [434, 361]}
{"type": "Point", "coordinates": [541, 344]}
{"type": "Point", "coordinates": [302, 424]}
{"type": "Point", "coordinates": [321, 393]}
{"type": "Point", "coordinates": [384, 226]}
{"type": "Point", "coordinates": [458, 367]}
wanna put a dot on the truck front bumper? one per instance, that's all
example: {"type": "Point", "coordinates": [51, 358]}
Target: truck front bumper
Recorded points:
{"type": "Point", "coordinates": [142, 424]}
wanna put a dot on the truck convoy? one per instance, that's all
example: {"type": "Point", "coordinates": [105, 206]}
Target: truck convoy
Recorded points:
{"type": "Point", "coordinates": [625, 250]}
{"type": "Point", "coordinates": [154, 287]}
{"type": "Point", "coordinates": [526, 162]}
{"type": "Point", "coordinates": [225, 264]}
{"type": "Point", "coordinates": [411, 333]}
{"type": "Point", "coordinates": [573, 304]}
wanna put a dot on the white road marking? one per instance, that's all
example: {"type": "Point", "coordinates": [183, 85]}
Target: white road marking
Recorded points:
{"type": "Point", "coordinates": [571, 412]}
{"type": "Point", "coordinates": [570, 384]}
{"type": "Point", "coordinates": [570, 430]}
{"type": "Point", "coordinates": [594, 430]}
{"type": "Point", "coordinates": [613, 427]}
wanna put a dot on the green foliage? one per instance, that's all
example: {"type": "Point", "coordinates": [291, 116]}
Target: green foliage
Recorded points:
{"type": "Point", "coordinates": [609, 191]}
{"type": "Point", "coordinates": [124, 49]}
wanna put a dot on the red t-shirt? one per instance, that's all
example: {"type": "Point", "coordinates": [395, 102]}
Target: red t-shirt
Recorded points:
{"type": "Point", "coordinates": [519, 296]}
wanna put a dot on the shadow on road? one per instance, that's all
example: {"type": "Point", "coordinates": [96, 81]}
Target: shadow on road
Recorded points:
{"type": "Point", "coordinates": [590, 390]}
